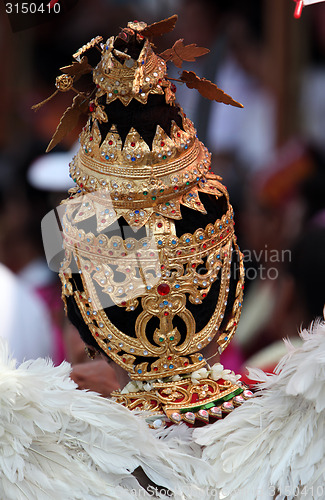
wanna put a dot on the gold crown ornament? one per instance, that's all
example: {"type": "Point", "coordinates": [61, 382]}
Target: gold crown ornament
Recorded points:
{"type": "Point", "coordinates": [151, 260]}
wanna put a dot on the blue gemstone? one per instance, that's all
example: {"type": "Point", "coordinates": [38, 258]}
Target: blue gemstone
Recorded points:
{"type": "Point", "coordinates": [174, 242]}
{"type": "Point", "coordinates": [177, 286]}
{"type": "Point", "coordinates": [159, 242]}
{"type": "Point", "coordinates": [218, 256]}
{"type": "Point", "coordinates": [239, 304]}
{"type": "Point", "coordinates": [201, 237]}
{"type": "Point", "coordinates": [107, 157]}
{"type": "Point", "coordinates": [212, 231]}
{"type": "Point", "coordinates": [109, 348]}
{"type": "Point", "coordinates": [101, 242]}
{"type": "Point", "coordinates": [114, 244]}
{"type": "Point", "coordinates": [186, 147]}
{"type": "Point", "coordinates": [145, 244]}
{"type": "Point", "coordinates": [198, 178]}
{"type": "Point", "coordinates": [88, 239]}
{"type": "Point", "coordinates": [187, 240]}
{"type": "Point", "coordinates": [200, 358]}
{"type": "Point", "coordinates": [88, 313]}
{"type": "Point", "coordinates": [149, 287]}
{"type": "Point", "coordinates": [136, 211]}
{"type": "Point", "coordinates": [139, 371]}
{"type": "Point", "coordinates": [128, 245]}
{"type": "Point", "coordinates": [97, 268]}
{"type": "Point", "coordinates": [220, 227]}
{"type": "Point", "coordinates": [106, 211]}
{"type": "Point", "coordinates": [227, 221]}
{"type": "Point", "coordinates": [226, 338]}
{"type": "Point", "coordinates": [133, 158]}
{"type": "Point", "coordinates": [166, 302]}
{"type": "Point", "coordinates": [171, 367]}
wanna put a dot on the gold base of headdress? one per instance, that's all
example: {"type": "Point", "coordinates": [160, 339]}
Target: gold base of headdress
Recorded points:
{"type": "Point", "coordinates": [185, 400]}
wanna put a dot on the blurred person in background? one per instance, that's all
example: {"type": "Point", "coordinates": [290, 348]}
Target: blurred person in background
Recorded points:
{"type": "Point", "coordinates": [25, 321]}
{"type": "Point", "coordinates": [285, 223]}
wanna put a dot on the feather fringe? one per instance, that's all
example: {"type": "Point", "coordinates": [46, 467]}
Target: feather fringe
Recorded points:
{"type": "Point", "coordinates": [59, 442]}
{"type": "Point", "coordinates": [273, 446]}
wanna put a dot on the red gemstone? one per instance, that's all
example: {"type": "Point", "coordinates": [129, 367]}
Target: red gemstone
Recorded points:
{"type": "Point", "coordinates": [204, 295]}
{"type": "Point", "coordinates": [124, 360]}
{"type": "Point", "coordinates": [90, 138]}
{"type": "Point", "coordinates": [123, 303]}
{"type": "Point", "coordinates": [204, 245]}
{"type": "Point", "coordinates": [186, 363]}
{"type": "Point", "coordinates": [155, 369]}
{"type": "Point", "coordinates": [178, 134]}
{"type": "Point", "coordinates": [110, 142]}
{"type": "Point", "coordinates": [166, 313]}
{"type": "Point", "coordinates": [162, 267]}
{"type": "Point", "coordinates": [159, 224]}
{"type": "Point", "coordinates": [133, 144]}
{"type": "Point", "coordinates": [91, 108]}
{"type": "Point", "coordinates": [162, 144]}
{"type": "Point", "coordinates": [163, 289]}
{"type": "Point", "coordinates": [194, 266]}
{"type": "Point", "coordinates": [169, 358]}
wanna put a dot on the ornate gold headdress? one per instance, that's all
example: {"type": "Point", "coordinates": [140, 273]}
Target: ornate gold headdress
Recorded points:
{"type": "Point", "coordinates": [140, 294]}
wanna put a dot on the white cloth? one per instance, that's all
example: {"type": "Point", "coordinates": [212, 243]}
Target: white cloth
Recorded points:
{"type": "Point", "coordinates": [25, 321]}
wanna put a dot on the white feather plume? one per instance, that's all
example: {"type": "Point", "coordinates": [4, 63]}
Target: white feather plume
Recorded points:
{"type": "Point", "coordinates": [273, 446]}
{"type": "Point", "coordinates": [59, 442]}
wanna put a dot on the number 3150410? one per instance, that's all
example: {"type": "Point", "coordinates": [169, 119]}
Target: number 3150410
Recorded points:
{"type": "Point", "coordinates": [32, 8]}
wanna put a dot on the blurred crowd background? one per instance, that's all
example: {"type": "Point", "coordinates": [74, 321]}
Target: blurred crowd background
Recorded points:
{"type": "Point", "coordinates": [271, 155]}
